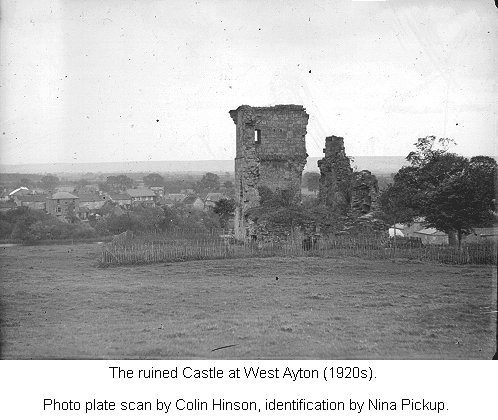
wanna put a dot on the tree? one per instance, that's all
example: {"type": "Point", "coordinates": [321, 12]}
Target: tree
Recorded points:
{"type": "Point", "coordinates": [279, 211]}
{"type": "Point", "coordinates": [465, 200]}
{"type": "Point", "coordinates": [395, 203]}
{"type": "Point", "coordinates": [26, 182]}
{"type": "Point", "coordinates": [452, 193]}
{"type": "Point", "coordinates": [153, 180]}
{"type": "Point", "coordinates": [170, 219]}
{"type": "Point", "coordinates": [117, 183]}
{"type": "Point", "coordinates": [209, 182]}
{"type": "Point", "coordinates": [49, 182]}
{"type": "Point", "coordinates": [30, 225]}
{"type": "Point", "coordinates": [225, 209]}
{"type": "Point", "coordinates": [82, 182]}
{"type": "Point", "coordinates": [5, 229]}
{"type": "Point", "coordinates": [117, 224]}
{"type": "Point", "coordinates": [71, 216]}
{"type": "Point", "coordinates": [149, 218]}
{"type": "Point", "coordinates": [428, 149]}
{"type": "Point", "coordinates": [484, 177]}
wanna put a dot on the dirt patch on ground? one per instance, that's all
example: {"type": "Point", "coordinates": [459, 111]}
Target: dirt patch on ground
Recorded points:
{"type": "Point", "coordinates": [57, 303]}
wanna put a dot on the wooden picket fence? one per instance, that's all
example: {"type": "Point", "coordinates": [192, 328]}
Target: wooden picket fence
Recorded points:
{"type": "Point", "coordinates": [167, 248]}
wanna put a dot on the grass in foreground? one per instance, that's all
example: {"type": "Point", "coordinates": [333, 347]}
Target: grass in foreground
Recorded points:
{"type": "Point", "coordinates": [56, 303]}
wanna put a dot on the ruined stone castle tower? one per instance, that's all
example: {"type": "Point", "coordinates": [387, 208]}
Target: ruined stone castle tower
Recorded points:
{"type": "Point", "coordinates": [341, 189]}
{"type": "Point", "coordinates": [270, 152]}
{"type": "Point", "coordinates": [336, 176]}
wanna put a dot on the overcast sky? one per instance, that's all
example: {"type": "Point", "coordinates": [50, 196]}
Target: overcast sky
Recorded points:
{"type": "Point", "coordinates": [123, 80]}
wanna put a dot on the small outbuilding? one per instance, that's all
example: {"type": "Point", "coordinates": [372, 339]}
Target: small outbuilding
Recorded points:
{"type": "Point", "coordinates": [431, 236]}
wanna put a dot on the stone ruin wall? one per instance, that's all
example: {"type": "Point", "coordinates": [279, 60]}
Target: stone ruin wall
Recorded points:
{"type": "Point", "coordinates": [364, 193]}
{"type": "Point", "coordinates": [341, 189]}
{"type": "Point", "coordinates": [336, 175]}
{"type": "Point", "coordinates": [270, 152]}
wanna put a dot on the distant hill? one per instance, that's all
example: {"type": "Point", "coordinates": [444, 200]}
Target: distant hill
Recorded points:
{"type": "Point", "coordinates": [123, 167]}
{"type": "Point", "coordinates": [376, 164]}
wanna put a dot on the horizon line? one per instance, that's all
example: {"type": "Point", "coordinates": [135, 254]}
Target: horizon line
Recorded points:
{"type": "Point", "coordinates": [161, 161]}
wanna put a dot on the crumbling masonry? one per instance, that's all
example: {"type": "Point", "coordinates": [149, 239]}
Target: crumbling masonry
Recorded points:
{"type": "Point", "coordinates": [336, 175]}
{"type": "Point", "coordinates": [343, 191]}
{"type": "Point", "coordinates": [270, 152]}
{"type": "Point", "coordinates": [364, 193]}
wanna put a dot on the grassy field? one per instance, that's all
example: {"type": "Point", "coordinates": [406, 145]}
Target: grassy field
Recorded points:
{"type": "Point", "coordinates": [57, 303]}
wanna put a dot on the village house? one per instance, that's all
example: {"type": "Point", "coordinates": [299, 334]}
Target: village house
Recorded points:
{"type": "Point", "coordinates": [193, 202]}
{"type": "Point", "coordinates": [91, 201]}
{"type": "Point", "coordinates": [33, 201]}
{"type": "Point", "coordinates": [63, 205]}
{"type": "Point", "coordinates": [211, 200]}
{"type": "Point", "coordinates": [142, 196]}
{"type": "Point", "coordinates": [482, 235]}
{"type": "Point", "coordinates": [123, 200]}
{"type": "Point", "coordinates": [158, 190]}
{"type": "Point", "coordinates": [397, 230]}
{"type": "Point", "coordinates": [38, 191]}
{"type": "Point", "coordinates": [88, 203]}
{"type": "Point", "coordinates": [431, 236]}
{"type": "Point", "coordinates": [418, 229]}
{"type": "Point", "coordinates": [170, 200]}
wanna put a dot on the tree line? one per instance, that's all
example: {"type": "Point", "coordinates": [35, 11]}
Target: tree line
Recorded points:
{"type": "Point", "coordinates": [209, 182]}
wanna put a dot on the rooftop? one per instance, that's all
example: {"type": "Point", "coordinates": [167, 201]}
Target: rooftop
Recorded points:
{"type": "Point", "coordinates": [431, 231]}
{"type": "Point", "coordinates": [63, 196]}
{"type": "Point", "coordinates": [234, 112]}
{"type": "Point", "coordinates": [487, 231]}
{"type": "Point", "coordinates": [190, 199]}
{"type": "Point", "coordinates": [215, 197]}
{"type": "Point", "coordinates": [119, 196]}
{"type": "Point", "coordinates": [175, 196]}
{"type": "Point", "coordinates": [35, 198]}
{"type": "Point", "coordinates": [90, 197]}
{"type": "Point", "coordinates": [140, 192]}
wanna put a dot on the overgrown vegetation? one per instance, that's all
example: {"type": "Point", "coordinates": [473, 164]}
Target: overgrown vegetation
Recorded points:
{"type": "Point", "coordinates": [27, 225]}
{"type": "Point", "coordinates": [225, 209]}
